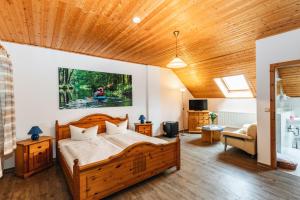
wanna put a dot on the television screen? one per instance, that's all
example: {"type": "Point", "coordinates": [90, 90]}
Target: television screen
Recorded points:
{"type": "Point", "coordinates": [198, 104]}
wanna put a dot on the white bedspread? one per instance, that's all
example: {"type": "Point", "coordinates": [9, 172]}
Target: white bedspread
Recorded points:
{"type": "Point", "coordinates": [103, 147]}
{"type": "Point", "coordinates": [131, 137]}
{"type": "Point", "coordinates": [88, 151]}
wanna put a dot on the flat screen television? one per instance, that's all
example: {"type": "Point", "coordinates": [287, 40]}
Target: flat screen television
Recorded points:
{"type": "Point", "coordinates": [198, 104]}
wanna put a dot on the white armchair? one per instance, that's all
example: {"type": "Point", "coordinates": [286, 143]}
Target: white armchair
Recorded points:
{"type": "Point", "coordinates": [244, 138]}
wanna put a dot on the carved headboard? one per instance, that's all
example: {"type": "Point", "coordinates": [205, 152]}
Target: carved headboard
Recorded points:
{"type": "Point", "coordinates": [63, 131]}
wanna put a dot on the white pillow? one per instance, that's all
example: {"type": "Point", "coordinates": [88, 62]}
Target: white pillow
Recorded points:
{"type": "Point", "coordinates": [83, 133]}
{"type": "Point", "coordinates": [112, 128]}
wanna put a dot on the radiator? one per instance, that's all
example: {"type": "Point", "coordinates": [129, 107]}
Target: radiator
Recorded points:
{"type": "Point", "coordinates": [235, 119]}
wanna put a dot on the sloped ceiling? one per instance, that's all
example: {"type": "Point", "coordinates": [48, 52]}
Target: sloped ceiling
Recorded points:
{"type": "Point", "coordinates": [217, 37]}
{"type": "Point", "coordinates": [290, 80]}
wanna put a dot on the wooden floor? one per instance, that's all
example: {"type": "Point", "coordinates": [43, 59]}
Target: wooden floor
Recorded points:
{"type": "Point", "coordinates": [206, 173]}
{"type": "Point", "coordinates": [294, 155]}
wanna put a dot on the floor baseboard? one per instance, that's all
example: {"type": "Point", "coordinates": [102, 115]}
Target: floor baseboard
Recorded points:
{"type": "Point", "coordinates": [9, 170]}
{"type": "Point", "coordinates": [12, 169]}
{"type": "Point", "coordinates": [265, 166]}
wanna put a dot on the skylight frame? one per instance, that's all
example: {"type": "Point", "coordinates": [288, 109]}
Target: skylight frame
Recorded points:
{"type": "Point", "coordinates": [242, 81]}
{"type": "Point", "coordinates": [234, 93]}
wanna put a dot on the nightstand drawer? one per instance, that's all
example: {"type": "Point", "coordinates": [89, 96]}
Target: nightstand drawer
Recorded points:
{"type": "Point", "coordinates": [39, 147]}
{"type": "Point", "coordinates": [148, 132]}
{"type": "Point", "coordinates": [141, 129]}
{"type": "Point", "coordinates": [145, 129]}
{"type": "Point", "coordinates": [38, 159]}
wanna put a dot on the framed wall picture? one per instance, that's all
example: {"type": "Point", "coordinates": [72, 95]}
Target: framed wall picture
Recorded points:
{"type": "Point", "coordinates": [91, 89]}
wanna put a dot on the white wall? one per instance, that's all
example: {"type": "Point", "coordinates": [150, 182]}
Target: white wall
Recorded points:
{"type": "Point", "coordinates": [170, 97]}
{"type": "Point", "coordinates": [232, 112]}
{"type": "Point", "coordinates": [153, 100]}
{"type": "Point", "coordinates": [241, 105]}
{"type": "Point", "coordinates": [36, 86]}
{"type": "Point", "coordinates": [36, 89]}
{"type": "Point", "coordinates": [275, 49]}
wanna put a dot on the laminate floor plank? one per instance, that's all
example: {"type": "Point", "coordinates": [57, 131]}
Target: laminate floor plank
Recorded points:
{"type": "Point", "coordinates": [207, 173]}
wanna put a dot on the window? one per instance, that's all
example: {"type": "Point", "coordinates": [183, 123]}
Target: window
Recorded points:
{"type": "Point", "coordinates": [236, 83]}
{"type": "Point", "coordinates": [234, 86]}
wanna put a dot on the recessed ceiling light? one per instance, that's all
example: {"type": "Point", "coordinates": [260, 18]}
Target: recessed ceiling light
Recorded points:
{"type": "Point", "coordinates": [136, 20]}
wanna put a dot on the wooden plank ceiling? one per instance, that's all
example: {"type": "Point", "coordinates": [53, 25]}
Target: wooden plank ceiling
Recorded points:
{"type": "Point", "coordinates": [217, 37]}
{"type": "Point", "coordinates": [290, 80]}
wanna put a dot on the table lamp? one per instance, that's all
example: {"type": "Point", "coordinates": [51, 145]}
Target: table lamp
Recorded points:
{"type": "Point", "coordinates": [34, 132]}
{"type": "Point", "coordinates": [142, 119]}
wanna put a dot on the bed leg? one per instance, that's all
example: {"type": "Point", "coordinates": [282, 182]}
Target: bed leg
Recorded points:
{"type": "Point", "coordinates": [178, 162]}
{"type": "Point", "coordinates": [76, 180]}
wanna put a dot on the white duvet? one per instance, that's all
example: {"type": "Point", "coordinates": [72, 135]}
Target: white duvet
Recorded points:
{"type": "Point", "coordinates": [131, 137]}
{"type": "Point", "coordinates": [101, 148]}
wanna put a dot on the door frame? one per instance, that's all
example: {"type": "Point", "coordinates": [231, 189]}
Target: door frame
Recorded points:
{"type": "Point", "coordinates": [273, 68]}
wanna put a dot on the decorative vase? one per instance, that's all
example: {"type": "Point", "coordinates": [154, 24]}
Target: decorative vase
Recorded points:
{"type": "Point", "coordinates": [35, 136]}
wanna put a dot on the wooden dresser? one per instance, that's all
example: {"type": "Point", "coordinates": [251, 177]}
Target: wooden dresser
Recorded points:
{"type": "Point", "coordinates": [145, 129]}
{"type": "Point", "coordinates": [33, 156]}
{"type": "Point", "coordinates": [197, 119]}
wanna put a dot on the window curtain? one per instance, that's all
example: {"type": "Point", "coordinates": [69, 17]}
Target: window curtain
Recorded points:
{"type": "Point", "coordinates": [7, 108]}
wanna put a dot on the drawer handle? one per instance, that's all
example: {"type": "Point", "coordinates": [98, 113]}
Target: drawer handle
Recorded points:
{"type": "Point", "coordinates": [39, 147]}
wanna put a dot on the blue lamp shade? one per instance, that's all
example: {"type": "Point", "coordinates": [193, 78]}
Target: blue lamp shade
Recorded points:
{"type": "Point", "coordinates": [142, 119]}
{"type": "Point", "coordinates": [34, 132]}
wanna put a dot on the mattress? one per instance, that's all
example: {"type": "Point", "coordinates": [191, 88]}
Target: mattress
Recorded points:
{"type": "Point", "coordinates": [103, 147]}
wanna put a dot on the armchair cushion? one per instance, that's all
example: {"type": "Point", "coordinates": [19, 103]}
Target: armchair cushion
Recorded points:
{"type": "Point", "coordinates": [252, 130]}
{"type": "Point", "coordinates": [237, 134]}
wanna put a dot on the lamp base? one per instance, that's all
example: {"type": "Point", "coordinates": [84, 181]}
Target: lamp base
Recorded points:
{"type": "Point", "coordinates": [35, 136]}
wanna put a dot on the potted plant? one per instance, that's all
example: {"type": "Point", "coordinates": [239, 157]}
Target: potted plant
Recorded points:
{"type": "Point", "coordinates": [213, 116]}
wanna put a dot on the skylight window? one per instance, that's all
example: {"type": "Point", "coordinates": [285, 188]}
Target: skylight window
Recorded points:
{"type": "Point", "coordinates": [236, 83]}
{"type": "Point", "coordinates": [234, 86]}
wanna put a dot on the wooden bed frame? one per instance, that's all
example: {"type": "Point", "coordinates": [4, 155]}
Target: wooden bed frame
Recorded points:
{"type": "Point", "coordinates": [134, 164]}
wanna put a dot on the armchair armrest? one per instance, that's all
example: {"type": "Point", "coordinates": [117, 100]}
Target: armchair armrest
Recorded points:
{"type": "Point", "coordinates": [237, 135]}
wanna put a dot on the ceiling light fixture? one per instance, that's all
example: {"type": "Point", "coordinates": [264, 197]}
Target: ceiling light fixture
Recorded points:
{"type": "Point", "coordinates": [176, 62]}
{"type": "Point", "coordinates": [136, 20]}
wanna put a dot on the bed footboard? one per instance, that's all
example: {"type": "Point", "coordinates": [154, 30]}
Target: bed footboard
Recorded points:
{"type": "Point", "coordinates": [134, 164]}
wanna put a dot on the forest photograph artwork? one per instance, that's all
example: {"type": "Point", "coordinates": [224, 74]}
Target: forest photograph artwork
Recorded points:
{"type": "Point", "coordinates": [91, 89]}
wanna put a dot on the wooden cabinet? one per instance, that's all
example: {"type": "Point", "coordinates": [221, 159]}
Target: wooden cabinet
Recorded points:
{"type": "Point", "coordinates": [145, 129]}
{"type": "Point", "coordinates": [197, 119]}
{"type": "Point", "coordinates": [33, 156]}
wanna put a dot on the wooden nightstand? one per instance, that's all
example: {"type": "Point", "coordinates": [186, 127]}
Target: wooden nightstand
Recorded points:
{"type": "Point", "coordinates": [33, 156]}
{"type": "Point", "coordinates": [145, 129]}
